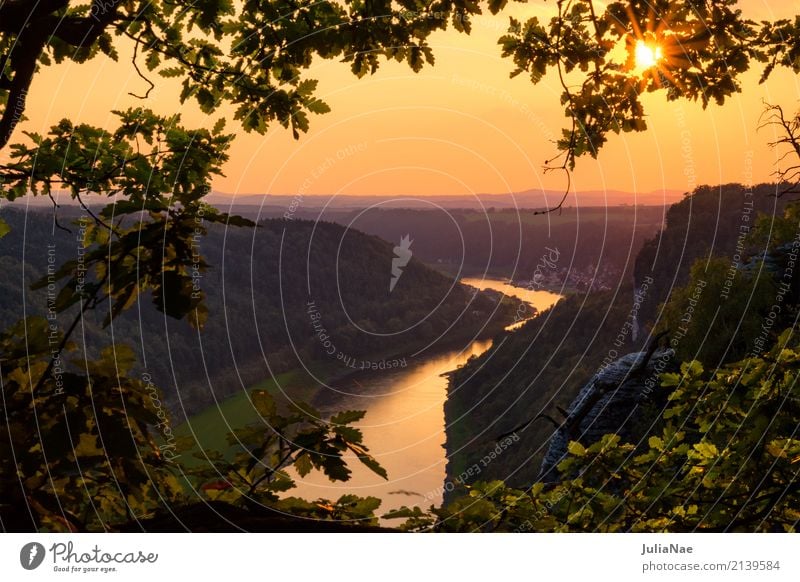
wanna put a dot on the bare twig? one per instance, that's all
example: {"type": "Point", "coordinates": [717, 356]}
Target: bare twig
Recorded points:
{"type": "Point", "coordinates": [569, 153]}
{"type": "Point", "coordinates": [94, 217]}
{"type": "Point", "coordinates": [55, 214]}
{"type": "Point", "coordinates": [788, 177]}
{"type": "Point", "coordinates": [141, 75]}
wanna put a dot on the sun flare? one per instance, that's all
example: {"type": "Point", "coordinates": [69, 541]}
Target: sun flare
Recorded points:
{"type": "Point", "coordinates": [647, 55]}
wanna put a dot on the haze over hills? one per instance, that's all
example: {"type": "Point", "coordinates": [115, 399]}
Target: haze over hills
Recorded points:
{"type": "Point", "coordinates": [595, 245]}
{"type": "Point", "coordinates": [528, 199]}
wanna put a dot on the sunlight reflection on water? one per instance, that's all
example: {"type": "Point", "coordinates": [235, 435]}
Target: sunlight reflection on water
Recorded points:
{"type": "Point", "coordinates": [404, 425]}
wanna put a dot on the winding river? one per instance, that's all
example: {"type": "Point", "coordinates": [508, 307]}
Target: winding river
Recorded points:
{"type": "Point", "coordinates": [404, 425]}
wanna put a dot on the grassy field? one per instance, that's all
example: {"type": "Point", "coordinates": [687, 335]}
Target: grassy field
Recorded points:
{"type": "Point", "coordinates": [208, 429]}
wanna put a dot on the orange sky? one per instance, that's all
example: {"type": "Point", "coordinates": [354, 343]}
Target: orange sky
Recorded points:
{"type": "Point", "coordinates": [460, 127]}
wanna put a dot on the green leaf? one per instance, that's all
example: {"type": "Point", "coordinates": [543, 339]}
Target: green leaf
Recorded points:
{"type": "Point", "coordinates": [347, 417]}
{"type": "Point", "coordinates": [303, 465]}
{"type": "Point", "coordinates": [349, 433]}
{"type": "Point", "coordinates": [218, 126]}
{"type": "Point", "coordinates": [693, 368]}
{"type": "Point", "coordinates": [4, 228]}
{"type": "Point", "coordinates": [335, 469]}
{"type": "Point", "coordinates": [87, 446]}
{"type": "Point", "coordinates": [576, 448]}
{"type": "Point", "coordinates": [318, 107]}
{"type": "Point", "coordinates": [171, 72]}
{"type": "Point", "coordinates": [373, 465]}
{"type": "Point", "coordinates": [496, 6]}
{"type": "Point", "coordinates": [307, 87]}
{"type": "Point", "coordinates": [264, 403]}
{"type": "Point", "coordinates": [707, 450]}
{"type": "Point", "coordinates": [404, 513]}
{"type": "Point", "coordinates": [281, 483]}
{"type": "Point", "coordinates": [153, 60]}
{"type": "Point", "coordinates": [669, 380]}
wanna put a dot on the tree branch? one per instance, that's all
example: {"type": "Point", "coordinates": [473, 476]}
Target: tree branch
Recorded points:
{"type": "Point", "coordinates": [35, 26]}
{"type": "Point", "coordinates": [788, 177]}
{"type": "Point", "coordinates": [16, 14]}
{"type": "Point", "coordinates": [141, 75]}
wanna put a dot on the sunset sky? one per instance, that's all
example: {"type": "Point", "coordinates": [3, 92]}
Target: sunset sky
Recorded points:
{"type": "Point", "coordinates": [461, 127]}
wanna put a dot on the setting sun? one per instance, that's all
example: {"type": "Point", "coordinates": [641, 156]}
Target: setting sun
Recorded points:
{"type": "Point", "coordinates": [647, 56]}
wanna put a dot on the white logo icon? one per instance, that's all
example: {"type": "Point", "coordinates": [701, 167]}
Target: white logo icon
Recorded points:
{"type": "Point", "coordinates": [402, 254]}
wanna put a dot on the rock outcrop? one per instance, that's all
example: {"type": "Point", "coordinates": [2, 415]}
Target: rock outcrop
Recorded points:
{"type": "Point", "coordinates": [613, 401]}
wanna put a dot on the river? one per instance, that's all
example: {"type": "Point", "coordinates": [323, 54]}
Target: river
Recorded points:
{"type": "Point", "coordinates": [539, 299]}
{"type": "Point", "coordinates": [404, 425]}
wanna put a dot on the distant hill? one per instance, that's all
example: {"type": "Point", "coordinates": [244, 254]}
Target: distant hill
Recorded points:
{"type": "Point", "coordinates": [285, 295]}
{"type": "Point", "coordinates": [595, 246]}
{"type": "Point", "coordinates": [713, 221]}
{"type": "Point", "coordinates": [278, 204]}
{"type": "Point", "coordinates": [543, 365]}
{"type": "Point", "coordinates": [528, 199]}
{"type": "Point", "coordinates": [486, 235]}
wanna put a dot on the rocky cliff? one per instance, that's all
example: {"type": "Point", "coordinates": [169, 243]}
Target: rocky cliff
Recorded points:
{"type": "Point", "coordinates": [621, 399]}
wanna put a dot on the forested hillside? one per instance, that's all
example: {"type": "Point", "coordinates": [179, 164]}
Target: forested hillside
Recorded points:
{"type": "Point", "coordinates": [596, 246]}
{"type": "Point", "coordinates": [527, 373]}
{"type": "Point", "coordinates": [714, 221]}
{"type": "Point", "coordinates": [543, 365]}
{"type": "Point", "coordinates": [283, 295]}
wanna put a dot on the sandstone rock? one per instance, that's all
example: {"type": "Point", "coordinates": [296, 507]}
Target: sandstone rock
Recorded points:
{"type": "Point", "coordinates": [613, 401]}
